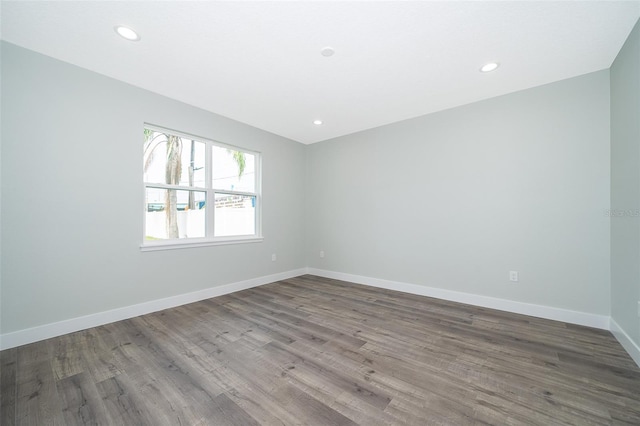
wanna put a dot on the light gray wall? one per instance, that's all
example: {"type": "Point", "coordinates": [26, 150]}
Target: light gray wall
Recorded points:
{"type": "Point", "coordinates": [453, 200]}
{"type": "Point", "coordinates": [71, 181]}
{"type": "Point", "coordinates": [458, 198]}
{"type": "Point", "coordinates": [625, 186]}
{"type": "Point", "coordinates": [1, 98]}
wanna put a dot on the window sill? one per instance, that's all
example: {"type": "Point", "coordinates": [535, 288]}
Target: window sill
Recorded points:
{"type": "Point", "coordinates": [172, 245]}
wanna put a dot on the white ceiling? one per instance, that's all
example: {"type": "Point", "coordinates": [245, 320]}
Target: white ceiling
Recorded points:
{"type": "Point", "coordinates": [260, 62]}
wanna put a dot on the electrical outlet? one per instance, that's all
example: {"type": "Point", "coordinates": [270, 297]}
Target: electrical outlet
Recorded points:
{"type": "Point", "coordinates": [321, 254]}
{"type": "Point", "coordinates": [274, 257]}
{"type": "Point", "coordinates": [513, 276]}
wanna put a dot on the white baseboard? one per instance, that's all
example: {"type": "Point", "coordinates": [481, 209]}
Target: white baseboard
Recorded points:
{"type": "Point", "coordinates": [30, 335]}
{"type": "Point", "coordinates": [627, 343]}
{"type": "Point", "coordinates": [540, 311]}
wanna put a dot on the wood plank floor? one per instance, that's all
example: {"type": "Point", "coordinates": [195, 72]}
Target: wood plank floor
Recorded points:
{"type": "Point", "coordinates": [317, 351]}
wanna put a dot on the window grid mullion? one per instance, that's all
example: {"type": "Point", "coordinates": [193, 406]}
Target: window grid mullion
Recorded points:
{"type": "Point", "coordinates": [208, 176]}
{"type": "Point", "coordinates": [178, 187]}
{"type": "Point", "coordinates": [230, 192]}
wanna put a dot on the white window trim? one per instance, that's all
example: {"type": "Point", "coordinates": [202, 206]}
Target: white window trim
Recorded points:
{"type": "Point", "coordinates": [172, 244]}
{"type": "Point", "coordinates": [198, 242]}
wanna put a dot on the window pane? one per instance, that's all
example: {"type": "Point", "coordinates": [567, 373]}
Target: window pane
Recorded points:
{"type": "Point", "coordinates": [233, 170]}
{"type": "Point", "coordinates": [173, 160]}
{"type": "Point", "coordinates": [173, 213]}
{"type": "Point", "coordinates": [235, 215]}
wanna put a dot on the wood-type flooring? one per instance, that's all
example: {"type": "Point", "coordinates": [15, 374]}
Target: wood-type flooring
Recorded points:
{"type": "Point", "coordinates": [317, 351]}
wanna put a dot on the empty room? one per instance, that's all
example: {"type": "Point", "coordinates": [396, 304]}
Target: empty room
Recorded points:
{"type": "Point", "coordinates": [320, 213]}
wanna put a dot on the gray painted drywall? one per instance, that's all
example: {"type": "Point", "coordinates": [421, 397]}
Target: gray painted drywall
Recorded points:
{"type": "Point", "coordinates": [71, 181]}
{"type": "Point", "coordinates": [458, 198]}
{"type": "Point", "coordinates": [1, 186]}
{"type": "Point", "coordinates": [453, 200]}
{"type": "Point", "coordinates": [625, 186]}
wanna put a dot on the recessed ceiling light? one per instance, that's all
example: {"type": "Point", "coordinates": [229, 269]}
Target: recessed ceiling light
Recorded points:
{"type": "Point", "coordinates": [327, 51]}
{"type": "Point", "coordinates": [491, 66]}
{"type": "Point", "coordinates": [127, 33]}
{"type": "Point", "coordinates": [317, 122]}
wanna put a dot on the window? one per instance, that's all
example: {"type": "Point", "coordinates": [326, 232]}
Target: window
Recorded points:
{"type": "Point", "coordinates": [198, 192]}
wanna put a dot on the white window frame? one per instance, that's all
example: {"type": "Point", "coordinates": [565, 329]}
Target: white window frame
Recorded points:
{"type": "Point", "coordinates": [209, 239]}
